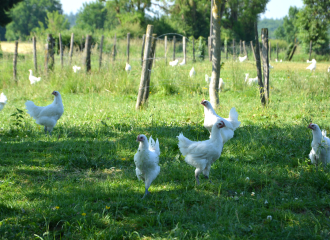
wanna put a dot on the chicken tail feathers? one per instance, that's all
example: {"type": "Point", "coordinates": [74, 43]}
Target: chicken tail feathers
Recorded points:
{"type": "Point", "coordinates": [233, 117]}
{"type": "Point", "coordinates": [184, 144]}
{"type": "Point", "coordinates": [32, 109]}
{"type": "Point", "coordinates": [154, 145]}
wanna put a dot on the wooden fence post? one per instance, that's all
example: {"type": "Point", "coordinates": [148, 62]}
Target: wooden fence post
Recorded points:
{"type": "Point", "coordinates": [71, 48]}
{"type": "Point", "coordinates": [173, 48]}
{"type": "Point", "coordinates": [252, 48]}
{"type": "Point", "coordinates": [87, 53]}
{"type": "Point", "coordinates": [193, 49]}
{"type": "Point", "coordinates": [226, 49]}
{"type": "Point", "coordinates": [240, 47]}
{"type": "Point", "coordinates": [244, 50]}
{"type": "Point", "coordinates": [265, 61]}
{"type": "Point", "coordinates": [49, 63]}
{"type": "Point", "coordinates": [165, 46]}
{"type": "Point", "coordinates": [61, 49]}
{"type": "Point", "coordinates": [114, 50]}
{"type": "Point", "coordinates": [145, 70]}
{"type": "Point", "coordinates": [152, 53]}
{"type": "Point", "coordinates": [292, 52]}
{"type": "Point", "coordinates": [127, 50]}
{"type": "Point", "coordinates": [184, 50]}
{"type": "Point", "coordinates": [258, 64]}
{"type": "Point", "coordinates": [15, 61]}
{"type": "Point", "coordinates": [234, 53]}
{"type": "Point", "coordinates": [277, 51]}
{"type": "Point", "coordinates": [310, 49]}
{"type": "Point", "coordinates": [270, 51]}
{"type": "Point", "coordinates": [83, 41]}
{"type": "Point", "coordinates": [35, 54]}
{"type": "Point", "coordinates": [101, 49]}
{"type": "Point", "coordinates": [143, 42]}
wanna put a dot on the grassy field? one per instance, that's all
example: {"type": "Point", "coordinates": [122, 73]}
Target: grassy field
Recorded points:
{"type": "Point", "coordinates": [80, 182]}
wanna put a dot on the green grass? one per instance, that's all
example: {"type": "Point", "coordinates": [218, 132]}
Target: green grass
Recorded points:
{"type": "Point", "coordinates": [80, 183]}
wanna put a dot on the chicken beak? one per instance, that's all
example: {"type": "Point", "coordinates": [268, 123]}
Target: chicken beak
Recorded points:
{"type": "Point", "coordinates": [310, 126]}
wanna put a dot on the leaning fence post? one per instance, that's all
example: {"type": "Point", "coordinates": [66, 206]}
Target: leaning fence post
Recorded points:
{"type": "Point", "coordinates": [173, 48]}
{"type": "Point", "coordinates": [165, 46]}
{"type": "Point", "coordinates": [244, 50]}
{"type": "Point", "coordinates": [145, 70]}
{"type": "Point", "coordinates": [114, 50]}
{"type": "Point", "coordinates": [87, 53]}
{"type": "Point", "coordinates": [193, 48]}
{"type": "Point", "coordinates": [258, 65]}
{"type": "Point", "coordinates": [310, 49]}
{"type": "Point", "coordinates": [71, 48]}
{"type": "Point", "coordinates": [152, 53]}
{"type": "Point", "coordinates": [143, 42]}
{"type": "Point", "coordinates": [270, 51]}
{"type": "Point", "coordinates": [61, 49]}
{"type": "Point", "coordinates": [252, 48]}
{"type": "Point", "coordinates": [265, 61]}
{"type": "Point", "coordinates": [15, 60]}
{"type": "Point", "coordinates": [184, 49]}
{"type": "Point", "coordinates": [127, 50]}
{"type": "Point", "coordinates": [35, 54]}
{"type": "Point", "coordinates": [101, 48]}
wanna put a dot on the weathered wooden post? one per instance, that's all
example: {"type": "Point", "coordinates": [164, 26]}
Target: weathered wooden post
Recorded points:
{"type": "Point", "coordinates": [145, 70]}
{"type": "Point", "coordinates": [234, 52]}
{"type": "Point", "coordinates": [193, 49]}
{"type": "Point", "coordinates": [127, 50]}
{"type": "Point", "coordinates": [184, 49]}
{"type": "Point", "coordinates": [61, 49]}
{"type": "Point", "coordinates": [258, 64]}
{"type": "Point", "coordinates": [87, 53]}
{"type": "Point", "coordinates": [310, 49]}
{"type": "Point", "coordinates": [292, 52]}
{"type": "Point", "coordinates": [15, 60]}
{"type": "Point", "coordinates": [152, 53]}
{"type": "Point", "coordinates": [165, 46]}
{"type": "Point", "coordinates": [265, 61]}
{"type": "Point", "coordinates": [270, 51]}
{"type": "Point", "coordinates": [71, 48]}
{"type": "Point", "coordinates": [226, 48]}
{"type": "Point", "coordinates": [101, 48]}
{"type": "Point", "coordinates": [173, 48]}
{"type": "Point", "coordinates": [240, 47]}
{"type": "Point", "coordinates": [49, 63]}
{"type": "Point", "coordinates": [35, 54]}
{"type": "Point", "coordinates": [244, 50]}
{"type": "Point", "coordinates": [114, 50]}
{"type": "Point", "coordinates": [143, 42]}
{"type": "Point", "coordinates": [277, 50]}
{"type": "Point", "coordinates": [252, 48]}
{"type": "Point", "coordinates": [82, 43]}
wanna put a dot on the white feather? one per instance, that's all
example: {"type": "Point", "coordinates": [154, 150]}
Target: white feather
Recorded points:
{"type": "Point", "coordinates": [3, 101]}
{"type": "Point", "coordinates": [33, 79]}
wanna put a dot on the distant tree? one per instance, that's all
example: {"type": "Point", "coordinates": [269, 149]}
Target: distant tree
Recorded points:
{"type": "Point", "coordinates": [5, 6]}
{"type": "Point", "coordinates": [289, 30]}
{"type": "Point", "coordinates": [71, 18]}
{"type": "Point", "coordinates": [56, 22]}
{"type": "Point", "coordinates": [91, 16]}
{"type": "Point", "coordinates": [27, 15]}
{"type": "Point", "coordinates": [271, 24]}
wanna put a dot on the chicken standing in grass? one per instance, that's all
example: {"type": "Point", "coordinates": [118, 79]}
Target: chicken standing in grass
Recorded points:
{"type": "Point", "coordinates": [312, 66]}
{"type": "Point", "coordinates": [128, 67]}
{"type": "Point", "coordinates": [242, 59]}
{"type": "Point", "coordinates": [174, 63]}
{"type": "Point", "coordinates": [320, 152]}
{"type": "Point", "coordinates": [3, 101]}
{"type": "Point", "coordinates": [192, 72]}
{"type": "Point", "coordinates": [76, 68]}
{"type": "Point", "coordinates": [32, 78]}
{"type": "Point", "coordinates": [202, 154]}
{"type": "Point", "coordinates": [211, 118]}
{"type": "Point", "coordinates": [48, 115]}
{"type": "Point", "coordinates": [146, 161]}
{"type": "Point", "coordinates": [221, 82]}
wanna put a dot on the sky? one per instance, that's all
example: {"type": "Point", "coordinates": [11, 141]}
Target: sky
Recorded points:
{"type": "Point", "coordinates": [275, 8]}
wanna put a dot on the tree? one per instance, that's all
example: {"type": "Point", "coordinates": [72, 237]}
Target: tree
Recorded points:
{"type": "Point", "coordinates": [289, 30]}
{"type": "Point", "coordinates": [5, 6]}
{"type": "Point", "coordinates": [56, 22]}
{"type": "Point", "coordinates": [27, 15]}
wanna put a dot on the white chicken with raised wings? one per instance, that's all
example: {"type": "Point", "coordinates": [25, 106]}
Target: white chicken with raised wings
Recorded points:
{"type": "Point", "coordinates": [312, 66]}
{"type": "Point", "coordinates": [3, 101]}
{"type": "Point", "coordinates": [32, 78]}
{"type": "Point", "coordinates": [221, 82]}
{"type": "Point", "coordinates": [250, 81]}
{"type": "Point", "coordinates": [192, 72]}
{"type": "Point", "coordinates": [76, 68]}
{"type": "Point", "coordinates": [146, 161]}
{"type": "Point", "coordinates": [242, 59]}
{"type": "Point", "coordinates": [211, 118]}
{"type": "Point", "coordinates": [320, 152]}
{"type": "Point", "coordinates": [174, 63]}
{"type": "Point", "coordinates": [128, 67]}
{"type": "Point", "coordinates": [48, 115]}
{"type": "Point", "coordinates": [202, 154]}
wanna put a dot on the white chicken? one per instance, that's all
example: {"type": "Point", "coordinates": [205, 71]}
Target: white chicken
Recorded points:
{"type": "Point", "coordinates": [312, 66]}
{"type": "Point", "coordinates": [202, 154]}
{"type": "Point", "coordinates": [48, 115]}
{"type": "Point", "coordinates": [32, 78]}
{"type": "Point", "coordinates": [328, 69]}
{"type": "Point", "coordinates": [146, 161]}
{"type": "Point", "coordinates": [192, 72]}
{"type": "Point", "coordinates": [174, 63]}
{"type": "Point", "coordinates": [320, 152]}
{"type": "Point", "coordinates": [221, 82]}
{"type": "Point", "coordinates": [310, 61]}
{"type": "Point", "coordinates": [211, 118]}
{"type": "Point", "coordinates": [242, 59]}
{"type": "Point", "coordinates": [128, 67]}
{"type": "Point", "coordinates": [76, 68]}
{"type": "Point", "coordinates": [281, 60]}
{"type": "Point", "coordinates": [3, 101]}
{"type": "Point", "coordinates": [250, 81]}
{"type": "Point", "coordinates": [182, 63]}
{"type": "Point", "coordinates": [270, 66]}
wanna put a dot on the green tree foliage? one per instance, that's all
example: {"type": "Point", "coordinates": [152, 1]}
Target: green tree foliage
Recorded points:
{"type": "Point", "coordinates": [5, 6]}
{"type": "Point", "coordinates": [27, 15]}
{"type": "Point", "coordinates": [56, 22]}
{"type": "Point", "coordinates": [271, 24]}
{"type": "Point", "coordinates": [289, 30]}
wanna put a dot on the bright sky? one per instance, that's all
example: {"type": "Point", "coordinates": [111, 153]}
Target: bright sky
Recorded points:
{"type": "Point", "coordinates": [275, 8]}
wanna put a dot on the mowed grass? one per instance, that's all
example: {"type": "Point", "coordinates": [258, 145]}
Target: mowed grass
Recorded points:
{"type": "Point", "coordinates": [80, 182]}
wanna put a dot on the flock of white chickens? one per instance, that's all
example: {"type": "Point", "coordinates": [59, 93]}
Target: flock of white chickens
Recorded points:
{"type": "Point", "coordinates": [199, 154]}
